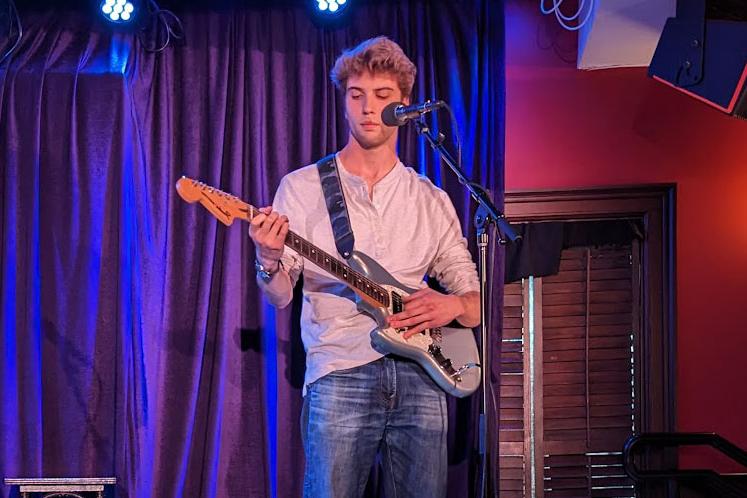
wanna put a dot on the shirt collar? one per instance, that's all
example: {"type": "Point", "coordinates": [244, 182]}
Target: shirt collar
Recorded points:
{"type": "Point", "coordinates": [355, 180]}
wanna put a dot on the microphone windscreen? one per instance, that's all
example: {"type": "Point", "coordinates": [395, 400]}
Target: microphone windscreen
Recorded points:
{"type": "Point", "coordinates": [388, 117]}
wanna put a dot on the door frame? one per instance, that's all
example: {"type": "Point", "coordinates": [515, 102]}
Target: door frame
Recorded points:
{"type": "Point", "coordinates": [654, 205]}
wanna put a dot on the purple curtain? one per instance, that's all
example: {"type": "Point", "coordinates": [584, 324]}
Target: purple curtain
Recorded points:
{"type": "Point", "coordinates": [135, 342]}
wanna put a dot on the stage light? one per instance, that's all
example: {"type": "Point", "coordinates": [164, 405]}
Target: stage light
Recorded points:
{"type": "Point", "coordinates": [118, 11]}
{"type": "Point", "coordinates": [330, 6]}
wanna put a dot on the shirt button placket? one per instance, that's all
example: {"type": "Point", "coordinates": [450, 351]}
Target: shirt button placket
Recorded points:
{"type": "Point", "coordinates": [377, 228]}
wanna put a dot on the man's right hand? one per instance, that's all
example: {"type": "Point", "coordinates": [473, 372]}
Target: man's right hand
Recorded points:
{"type": "Point", "coordinates": [268, 230]}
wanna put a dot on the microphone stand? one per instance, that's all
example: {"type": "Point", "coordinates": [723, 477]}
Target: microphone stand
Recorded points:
{"type": "Point", "coordinates": [485, 215]}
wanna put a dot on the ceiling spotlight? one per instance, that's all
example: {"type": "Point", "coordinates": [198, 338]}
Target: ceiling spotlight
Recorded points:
{"type": "Point", "coordinates": [119, 11]}
{"type": "Point", "coordinates": [330, 6]}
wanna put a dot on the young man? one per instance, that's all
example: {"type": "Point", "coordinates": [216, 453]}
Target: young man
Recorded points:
{"type": "Point", "coordinates": [356, 401]}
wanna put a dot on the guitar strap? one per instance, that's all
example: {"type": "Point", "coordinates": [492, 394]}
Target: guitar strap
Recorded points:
{"type": "Point", "coordinates": [338, 210]}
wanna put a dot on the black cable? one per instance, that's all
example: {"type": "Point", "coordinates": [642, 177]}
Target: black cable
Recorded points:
{"type": "Point", "coordinates": [455, 126]}
{"type": "Point", "coordinates": [13, 17]}
{"type": "Point", "coordinates": [162, 21]}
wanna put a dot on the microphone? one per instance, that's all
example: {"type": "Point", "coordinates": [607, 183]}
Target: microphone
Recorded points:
{"type": "Point", "coordinates": [397, 114]}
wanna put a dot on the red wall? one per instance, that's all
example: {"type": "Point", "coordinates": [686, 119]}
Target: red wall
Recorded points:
{"type": "Point", "coordinates": [570, 128]}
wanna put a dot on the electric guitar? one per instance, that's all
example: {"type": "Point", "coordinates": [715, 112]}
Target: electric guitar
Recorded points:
{"type": "Point", "coordinates": [448, 355]}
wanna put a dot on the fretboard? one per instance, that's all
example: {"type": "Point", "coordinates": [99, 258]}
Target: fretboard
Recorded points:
{"type": "Point", "coordinates": [337, 268]}
{"type": "Point", "coordinates": [332, 265]}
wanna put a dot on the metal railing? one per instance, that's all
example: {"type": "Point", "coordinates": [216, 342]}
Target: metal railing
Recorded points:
{"type": "Point", "coordinates": [722, 485]}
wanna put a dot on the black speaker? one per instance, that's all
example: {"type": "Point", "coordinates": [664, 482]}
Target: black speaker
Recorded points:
{"type": "Point", "coordinates": [703, 53]}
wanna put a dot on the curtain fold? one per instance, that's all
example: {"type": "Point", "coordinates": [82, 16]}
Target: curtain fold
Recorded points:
{"type": "Point", "coordinates": [135, 341]}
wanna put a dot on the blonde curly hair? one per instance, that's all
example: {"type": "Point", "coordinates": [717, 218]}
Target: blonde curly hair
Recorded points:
{"type": "Point", "coordinates": [376, 55]}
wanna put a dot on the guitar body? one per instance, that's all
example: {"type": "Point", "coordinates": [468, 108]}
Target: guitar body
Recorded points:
{"type": "Point", "coordinates": [448, 355]}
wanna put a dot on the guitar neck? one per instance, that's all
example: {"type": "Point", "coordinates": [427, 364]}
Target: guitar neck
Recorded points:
{"type": "Point", "coordinates": [226, 207]}
{"type": "Point", "coordinates": [367, 288]}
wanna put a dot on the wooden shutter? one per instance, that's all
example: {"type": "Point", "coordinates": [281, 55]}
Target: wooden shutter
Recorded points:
{"type": "Point", "coordinates": [587, 350]}
{"type": "Point", "coordinates": [511, 433]}
{"type": "Point", "coordinates": [584, 325]}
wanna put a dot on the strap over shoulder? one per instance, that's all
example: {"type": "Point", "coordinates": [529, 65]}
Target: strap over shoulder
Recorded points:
{"type": "Point", "coordinates": [336, 206]}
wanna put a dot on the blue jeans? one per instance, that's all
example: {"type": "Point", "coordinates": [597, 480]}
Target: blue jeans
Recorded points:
{"type": "Point", "coordinates": [389, 405]}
